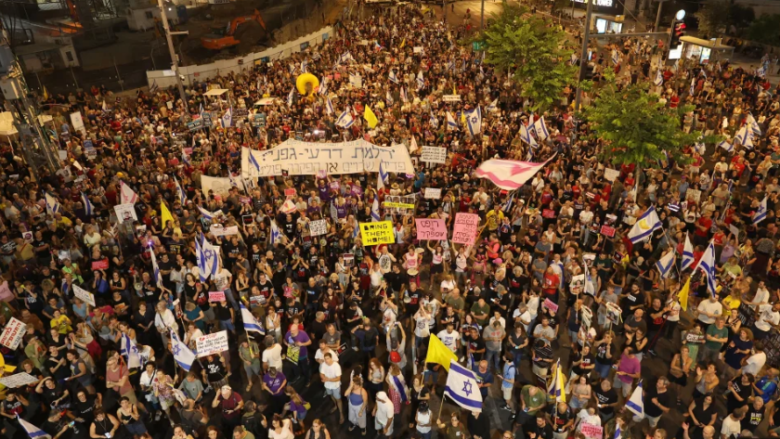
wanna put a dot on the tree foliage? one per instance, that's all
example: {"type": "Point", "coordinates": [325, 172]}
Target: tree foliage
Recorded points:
{"type": "Point", "coordinates": [637, 128]}
{"type": "Point", "coordinates": [717, 17]}
{"type": "Point", "coordinates": [534, 51]}
{"type": "Point", "coordinates": [765, 29]}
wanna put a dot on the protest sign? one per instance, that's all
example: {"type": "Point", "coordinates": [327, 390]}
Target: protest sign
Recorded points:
{"type": "Point", "coordinates": [431, 229]}
{"type": "Point", "coordinates": [378, 232]}
{"type": "Point", "coordinates": [549, 304]}
{"type": "Point", "coordinates": [125, 212]}
{"type": "Point", "coordinates": [417, 49]}
{"type": "Point", "coordinates": [211, 344]}
{"type": "Point", "coordinates": [6, 295]}
{"type": "Point", "coordinates": [13, 333]}
{"type": "Point", "coordinates": [451, 98]}
{"type": "Point", "coordinates": [319, 227]}
{"type": "Point", "coordinates": [101, 264]}
{"type": "Point", "coordinates": [84, 295]}
{"type": "Point", "coordinates": [219, 230]}
{"type": "Point", "coordinates": [466, 228]}
{"type": "Point", "coordinates": [432, 193]}
{"type": "Point", "coordinates": [611, 174]}
{"type": "Point", "coordinates": [220, 185]}
{"type": "Point", "coordinates": [592, 431]}
{"type": "Point", "coordinates": [434, 154]}
{"type": "Point", "coordinates": [18, 380]}
{"type": "Point", "coordinates": [216, 296]}
{"type": "Point", "coordinates": [608, 231]}
{"type": "Point", "coordinates": [77, 121]}
{"type": "Point", "coordinates": [289, 192]}
{"type": "Point", "coordinates": [306, 158]}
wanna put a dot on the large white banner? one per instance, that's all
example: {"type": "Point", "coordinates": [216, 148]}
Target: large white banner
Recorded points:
{"type": "Point", "coordinates": [305, 158]}
{"type": "Point", "coordinates": [220, 185]}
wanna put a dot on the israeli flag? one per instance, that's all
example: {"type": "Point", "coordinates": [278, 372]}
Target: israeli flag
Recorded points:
{"type": "Point", "coordinates": [615, 57]}
{"type": "Point", "coordinates": [665, 264]}
{"type": "Point", "coordinates": [742, 135]}
{"type": "Point", "coordinates": [474, 121]}
{"type": "Point", "coordinates": [375, 210]}
{"type": "Point", "coordinates": [201, 260]}
{"type": "Point", "coordinates": [345, 120]}
{"type": "Point", "coordinates": [291, 97]}
{"type": "Point", "coordinates": [434, 121]}
{"type": "Point", "coordinates": [541, 129]}
{"type": "Point", "coordinates": [462, 387]}
{"type": "Point", "coordinates": [250, 322]}
{"type": "Point", "coordinates": [451, 124]}
{"type": "Point", "coordinates": [659, 78]}
{"type": "Point", "coordinates": [129, 350]}
{"type": "Point", "coordinates": [180, 191]}
{"type": "Point", "coordinates": [618, 433]}
{"type": "Point", "coordinates": [227, 118]}
{"type": "Point", "coordinates": [323, 90]}
{"type": "Point", "coordinates": [389, 98]}
{"type": "Point", "coordinates": [493, 105]}
{"type": "Point", "coordinates": [329, 107]}
{"type": "Point", "coordinates": [209, 215]}
{"type": "Point", "coordinates": [645, 226]}
{"type": "Point", "coordinates": [393, 77]}
{"type": "Point", "coordinates": [156, 270]}
{"type": "Point", "coordinates": [761, 71]}
{"type": "Point", "coordinates": [210, 257]}
{"type": "Point", "coordinates": [32, 431]}
{"type": "Point", "coordinates": [404, 97]}
{"type": "Point", "coordinates": [693, 87]}
{"type": "Point", "coordinates": [525, 136]}
{"type": "Point", "coordinates": [754, 126]}
{"type": "Point", "coordinates": [420, 80]}
{"type": "Point", "coordinates": [304, 66]}
{"type": "Point", "coordinates": [707, 265]}
{"type": "Point", "coordinates": [181, 352]}
{"type": "Point", "coordinates": [52, 205]}
{"type": "Point", "coordinates": [276, 234]}
{"type": "Point", "coordinates": [760, 214]}
{"type": "Point", "coordinates": [699, 146]}
{"type": "Point", "coordinates": [635, 404]}
{"type": "Point", "coordinates": [590, 286]}
{"type": "Point", "coordinates": [726, 145]}
{"type": "Point", "coordinates": [89, 209]}
{"type": "Point", "coordinates": [184, 157]}
{"type": "Point", "coordinates": [381, 176]}
{"type": "Point", "coordinates": [687, 256]}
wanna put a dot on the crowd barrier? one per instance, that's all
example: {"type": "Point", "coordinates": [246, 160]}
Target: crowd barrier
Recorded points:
{"type": "Point", "coordinates": [167, 78]}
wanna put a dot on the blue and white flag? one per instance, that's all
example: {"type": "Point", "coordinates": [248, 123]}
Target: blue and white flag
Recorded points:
{"type": "Point", "coordinates": [665, 264]}
{"type": "Point", "coordinates": [462, 387]}
{"type": "Point", "coordinates": [590, 286]}
{"type": "Point", "coordinates": [645, 226]}
{"type": "Point", "coordinates": [525, 136]}
{"type": "Point", "coordinates": [451, 124]}
{"type": "Point", "coordinates": [743, 136]}
{"type": "Point", "coordinates": [250, 322]}
{"type": "Point", "coordinates": [209, 215]}
{"type": "Point", "coordinates": [541, 129]}
{"type": "Point", "coordinates": [291, 97]}
{"type": "Point", "coordinates": [276, 233]}
{"type": "Point", "coordinates": [618, 433]}
{"type": "Point", "coordinates": [180, 192]}
{"type": "Point", "coordinates": [699, 146]}
{"type": "Point", "coordinates": [474, 121]}
{"type": "Point", "coordinates": [323, 89]}
{"type": "Point", "coordinates": [381, 176]}
{"type": "Point", "coordinates": [635, 404]}
{"type": "Point", "coordinates": [227, 118]}
{"type": "Point", "coordinates": [345, 120]}
{"type": "Point", "coordinates": [615, 57]}
{"type": "Point", "coordinates": [420, 80]}
{"type": "Point", "coordinates": [329, 107]}
{"type": "Point", "coordinates": [761, 71]}
{"type": "Point", "coordinates": [692, 90]}
{"type": "Point", "coordinates": [375, 210]}
{"type": "Point", "coordinates": [433, 120]}
{"type": "Point", "coordinates": [304, 66]}
{"type": "Point", "coordinates": [404, 96]}
{"type": "Point", "coordinates": [89, 209]}
{"type": "Point", "coordinates": [493, 105]}
{"type": "Point", "coordinates": [32, 431]}
{"type": "Point", "coordinates": [201, 261]}
{"type": "Point", "coordinates": [760, 214]}
{"type": "Point", "coordinates": [181, 352]}
{"type": "Point", "coordinates": [208, 259]}
{"type": "Point", "coordinates": [659, 78]}
{"type": "Point", "coordinates": [729, 147]}
{"type": "Point", "coordinates": [156, 270]}
{"type": "Point", "coordinates": [687, 256]}
{"type": "Point", "coordinates": [393, 77]}
{"type": "Point", "coordinates": [707, 265]}
{"type": "Point", "coordinates": [129, 350]}
{"type": "Point", "coordinates": [753, 124]}
{"type": "Point", "coordinates": [52, 205]}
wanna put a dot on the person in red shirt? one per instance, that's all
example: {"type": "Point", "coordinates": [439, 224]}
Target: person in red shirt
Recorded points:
{"type": "Point", "coordinates": [702, 232]}
{"type": "Point", "coordinates": [550, 284]}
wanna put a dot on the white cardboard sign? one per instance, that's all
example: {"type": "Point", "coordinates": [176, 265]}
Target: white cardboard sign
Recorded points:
{"type": "Point", "coordinates": [18, 380]}
{"type": "Point", "coordinates": [13, 333]}
{"type": "Point", "coordinates": [125, 212]}
{"type": "Point", "coordinates": [84, 295]}
{"type": "Point", "coordinates": [319, 227]}
{"type": "Point", "coordinates": [433, 193]}
{"type": "Point", "coordinates": [434, 154]}
{"type": "Point", "coordinates": [211, 344]}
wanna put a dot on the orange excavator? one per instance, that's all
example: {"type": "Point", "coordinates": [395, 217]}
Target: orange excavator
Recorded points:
{"type": "Point", "coordinates": [246, 30]}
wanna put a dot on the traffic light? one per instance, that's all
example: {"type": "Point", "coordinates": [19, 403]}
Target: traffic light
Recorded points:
{"type": "Point", "coordinates": [677, 32]}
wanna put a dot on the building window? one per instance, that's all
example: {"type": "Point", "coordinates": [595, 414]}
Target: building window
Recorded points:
{"type": "Point", "coordinates": [149, 15]}
{"type": "Point", "coordinates": [69, 56]}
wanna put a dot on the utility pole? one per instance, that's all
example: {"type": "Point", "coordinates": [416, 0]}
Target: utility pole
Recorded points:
{"type": "Point", "coordinates": [658, 16]}
{"type": "Point", "coordinates": [584, 55]}
{"type": "Point", "coordinates": [482, 18]}
{"type": "Point", "coordinates": [174, 57]}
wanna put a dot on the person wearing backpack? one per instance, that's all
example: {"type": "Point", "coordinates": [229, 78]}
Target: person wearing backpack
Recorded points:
{"type": "Point", "coordinates": [508, 379]}
{"type": "Point", "coordinates": [254, 421]}
{"type": "Point", "coordinates": [192, 418]}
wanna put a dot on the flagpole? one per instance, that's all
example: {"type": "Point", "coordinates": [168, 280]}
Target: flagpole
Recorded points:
{"type": "Point", "coordinates": [441, 406]}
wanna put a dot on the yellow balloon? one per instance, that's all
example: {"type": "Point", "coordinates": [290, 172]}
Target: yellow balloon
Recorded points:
{"type": "Point", "coordinates": [304, 80]}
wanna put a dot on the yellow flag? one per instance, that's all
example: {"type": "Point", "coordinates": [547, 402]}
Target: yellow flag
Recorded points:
{"type": "Point", "coordinates": [45, 94]}
{"type": "Point", "coordinates": [439, 353]}
{"type": "Point", "coordinates": [165, 214]}
{"type": "Point", "coordinates": [403, 43]}
{"type": "Point", "coordinates": [370, 117]}
{"type": "Point", "coordinates": [682, 295]}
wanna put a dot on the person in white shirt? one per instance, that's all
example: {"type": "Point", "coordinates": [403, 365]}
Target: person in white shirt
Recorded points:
{"type": "Point", "coordinates": [450, 337]}
{"type": "Point", "coordinates": [709, 310]}
{"type": "Point", "coordinates": [330, 374]}
{"type": "Point", "coordinates": [383, 415]}
{"type": "Point", "coordinates": [319, 357]}
{"type": "Point", "coordinates": [768, 318]}
{"type": "Point", "coordinates": [272, 355]}
{"type": "Point", "coordinates": [165, 321]}
{"type": "Point", "coordinates": [732, 426]}
{"type": "Point", "coordinates": [761, 297]}
{"type": "Point", "coordinates": [756, 361]}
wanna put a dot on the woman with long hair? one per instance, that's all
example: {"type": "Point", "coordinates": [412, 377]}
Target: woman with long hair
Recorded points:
{"type": "Point", "coordinates": [281, 428]}
{"type": "Point", "coordinates": [375, 377]}
{"type": "Point", "coordinates": [298, 407]}
{"type": "Point", "coordinates": [358, 404]}
{"type": "Point", "coordinates": [398, 391]}
{"type": "Point", "coordinates": [317, 431]}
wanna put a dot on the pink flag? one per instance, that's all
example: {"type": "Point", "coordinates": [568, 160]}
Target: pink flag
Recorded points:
{"type": "Point", "coordinates": [508, 174]}
{"type": "Point", "coordinates": [127, 195]}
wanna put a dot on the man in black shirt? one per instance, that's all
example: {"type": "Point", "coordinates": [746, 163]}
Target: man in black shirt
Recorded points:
{"type": "Point", "coordinates": [657, 401]}
{"type": "Point", "coordinates": [476, 346]}
{"type": "Point", "coordinates": [541, 429]}
{"type": "Point", "coordinates": [607, 400]}
{"type": "Point", "coordinates": [755, 414]}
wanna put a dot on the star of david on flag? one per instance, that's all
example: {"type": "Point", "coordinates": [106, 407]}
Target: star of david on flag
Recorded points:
{"type": "Point", "coordinates": [462, 388]}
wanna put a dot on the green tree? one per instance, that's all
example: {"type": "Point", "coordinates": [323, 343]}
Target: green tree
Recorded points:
{"type": "Point", "coordinates": [765, 29]}
{"type": "Point", "coordinates": [637, 128]}
{"type": "Point", "coordinates": [534, 51]}
{"type": "Point", "coordinates": [714, 17]}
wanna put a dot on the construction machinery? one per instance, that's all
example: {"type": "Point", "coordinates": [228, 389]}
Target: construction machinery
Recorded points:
{"type": "Point", "coordinates": [245, 31]}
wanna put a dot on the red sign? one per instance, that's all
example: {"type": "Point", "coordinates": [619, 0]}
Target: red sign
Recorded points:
{"type": "Point", "coordinates": [608, 231]}
{"type": "Point", "coordinates": [290, 192]}
{"type": "Point", "coordinates": [100, 265]}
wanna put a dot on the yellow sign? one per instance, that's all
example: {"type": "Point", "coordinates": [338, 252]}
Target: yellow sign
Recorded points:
{"type": "Point", "coordinates": [379, 232]}
{"type": "Point", "coordinates": [398, 205]}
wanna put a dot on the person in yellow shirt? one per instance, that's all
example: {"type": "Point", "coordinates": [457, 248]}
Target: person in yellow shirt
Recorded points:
{"type": "Point", "coordinates": [494, 218]}
{"type": "Point", "coordinates": [61, 323]}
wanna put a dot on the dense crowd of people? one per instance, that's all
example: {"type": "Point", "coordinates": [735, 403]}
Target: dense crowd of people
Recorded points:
{"type": "Point", "coordinates": [342, 329]}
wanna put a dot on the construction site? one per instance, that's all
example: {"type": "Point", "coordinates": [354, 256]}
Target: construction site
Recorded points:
{"type": "Point", "coordinates": [71, 45]}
